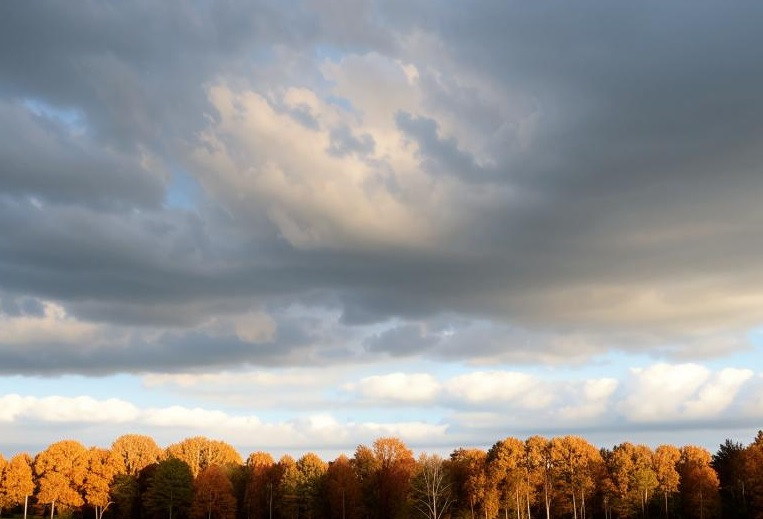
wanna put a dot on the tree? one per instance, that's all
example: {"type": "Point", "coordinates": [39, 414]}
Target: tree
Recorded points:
{"type": "Point", "coordinates": [432, 487]}
{"type": "Point", "coordinates": [665, 460]}
{"type": "Point", "coordinates": [728, 463]}
{"type": "Point", "coordinates": [633, 477]}
{"type": "Point", "coordinates": [539, 469]}
{"type": "Point", "coordinates": [200, 452]}
{"type": "Point", "coordinates": [136, 452]}
{"type": "Point", "coordinates": [125, 493]}
{"type": "Point", "coordinates": [213, 495]}
{"type": "Point", "coordinates": [170, 488]}
{"type": "Point", "coordinates": [310, 471]}
{"type": "Point", "coordinates": [287, 479]}
{"type": "Point", "coordinates": [699, 483]}
{"type": "Point", "coordinates": [393, 477]}
{"type": "Point", "coordinates": [576, 463]}
{"type": "Point", "coordinates": [61, 470]}
{"type": "Point", "coordinates": [753, 476]}
{"type": "Point", "coordinates": [506, 472]}
{"type": "Point", "coordinates": [103, 465]}
{"type": "Point", "coordinates": [471, 485]}
{"type": "Point", "coordinates": [343, 489]}
{"type": "Point", "coordinates": [258, 496]}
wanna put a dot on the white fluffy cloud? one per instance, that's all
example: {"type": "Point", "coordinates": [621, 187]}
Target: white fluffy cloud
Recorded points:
{"type": "Point", "coordinates": [680, 391]}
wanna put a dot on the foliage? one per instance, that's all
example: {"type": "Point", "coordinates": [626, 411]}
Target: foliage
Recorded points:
{"type": "Point", "coordinates": [170, 489]}
{"type": "Point", "coordinates": [213, 495]}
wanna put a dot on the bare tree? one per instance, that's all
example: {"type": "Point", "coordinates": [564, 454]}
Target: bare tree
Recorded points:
{"type": "Point", "coordinates": [432, 495]}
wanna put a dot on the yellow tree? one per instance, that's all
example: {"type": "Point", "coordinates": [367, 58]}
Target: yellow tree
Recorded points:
{"type": "Point", "coordinates": [506, 471]}
{"type": "Point", "coordinates": [633, 477]}
{"type": "Point", "coordinates": [3, 499]}
{"type": "Point", "coordinates": [665, 460]}
{"type": "Point", "coordinates": [102, 466]}
{"type": "Point", "coordinates": [258, 496]}
{"type": "Point", "coordinates": [576, 464]}
{"type": "Point", "coordinates": [17, 481]}
{"type": "Point", "coordinates": [699, 483]}
{"type": "Point", "coordinates": [200, 452]}
{"type": "Point", "coordinates": [61, 470]}
{"type": "Point", "coordinates": [136, 452]}
{"type": "Point", "coordinates": [213, 495]}
{"type": "Point", "coordinates": [470, 479]}
{"type": "Point", "coordinates": [310, 471]}
{"type": "Point", "coordinates": [538, 466]}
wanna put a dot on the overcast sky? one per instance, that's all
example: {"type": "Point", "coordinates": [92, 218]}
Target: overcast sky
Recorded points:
{"type": "Point", "coordinates": [302, 225]}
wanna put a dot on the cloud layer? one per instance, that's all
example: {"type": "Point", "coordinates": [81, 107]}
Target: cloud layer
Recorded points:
{"type": "Point", "coordinates": [200, 186]}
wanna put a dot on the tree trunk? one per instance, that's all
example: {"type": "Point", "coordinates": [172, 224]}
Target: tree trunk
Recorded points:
{"type": "Point", "coordinates": [548, 507]}
{"type": "Point", "coordinates": [52, 507]}
{"type": "Point", "coordinates": [26, 501]}
{"type": "Point", "coordinates": [574, 506]}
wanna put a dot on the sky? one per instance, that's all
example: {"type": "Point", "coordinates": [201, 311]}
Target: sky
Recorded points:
{"type": "Point", "coordinates": [302, 225]}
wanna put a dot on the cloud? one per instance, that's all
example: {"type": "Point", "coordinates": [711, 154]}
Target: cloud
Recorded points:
{"type": "Point", "coordinates": [682, 391]}
{"type": "Point", "coordinates": [417, 388]}
{"type": "Point", "coordinates": [543, 191]}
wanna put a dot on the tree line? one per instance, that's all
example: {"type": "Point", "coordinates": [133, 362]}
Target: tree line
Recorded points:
{"type": "Point", "coordinates": [537, 478]}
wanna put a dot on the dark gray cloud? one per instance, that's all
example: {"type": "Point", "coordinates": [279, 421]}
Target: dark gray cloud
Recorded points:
{"type": "Point", "coordinates": [631, 204]}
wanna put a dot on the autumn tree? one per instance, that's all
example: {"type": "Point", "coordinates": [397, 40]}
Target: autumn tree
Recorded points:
{"type": "Point", "coordinates": [432, 487]}
{"type": "Point", "coordinates": [395, 464]}
{"type": "Point", "coordinates": [135, 452]}
{"type": "Point", "coordinates": [170, 489]}
{"type": "Point", "coordinates": [539, 468]}
{"type": "Point", "coordinates": [506, 471]}
{"type": "Point", "coordinates": [258, 495]}
{"type": "Point", "coordinates": [576, 464]}
{"type": "Point", "coordinates": [213, 495]}
{"type": "Point", "coordinates": [61, 470]}
{"type": "Point", "coordinates": [665, 460]}
{"type": "Point", "coordinates": [365, 465]}
{"type": "Point", "coordinates": [343, 489]}
{"type": "Point", "coordinates": [471, 483]}
{"type": "Point", "coordinates": [287, 479]}
{"type": "Point", "coordinates": [632, 474]}
{"type": "Point", "coordinates": [310, 471]}
{"type": "Point", "coordinates": [753, 475]}
{"type": "Point", "coordinates": [698, 484]}
{"type": "Point", "coordinates": [102, 466]}
{"type": "Point", "coordinates": [200, 452]}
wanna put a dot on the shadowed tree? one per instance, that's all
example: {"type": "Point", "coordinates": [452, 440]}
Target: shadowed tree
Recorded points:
{"type": "Point", "coordinates": [310, 471]}
{"type": "Point", "coordinates": [753, 475]}
{"type": "Point", "coordinates": [258, 496]}
{"type": "Point", "coordinates": [213, 496]}
{"type": "Point", "coordinates": [395, 464]}
{"type": "Point", "coordinates": [170, 489]}
{"type": "Point", "coordinates": [728, 463]}
{"type": "Point", "coordinates": [365, 465]}
{"type": "Point", "coordinates": [699, 483]}
{"type": "Point", "coordinates": [471, 485]}
{"type": "Point", "coordinates": [343, 490]}
{"type": "Point", "coordinates": [287, 479]}
{"type": "Point", "coordinates": [61, 470]}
